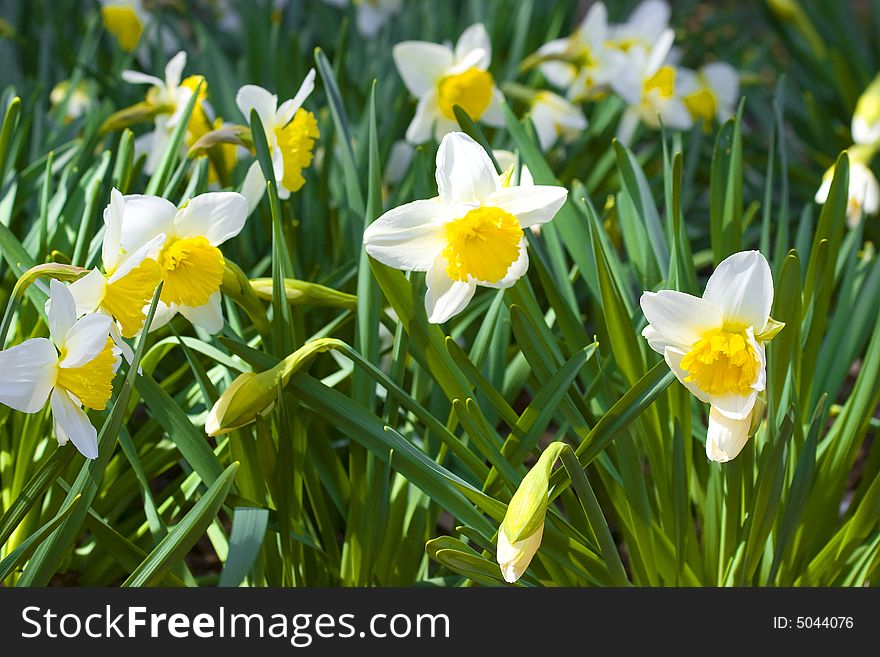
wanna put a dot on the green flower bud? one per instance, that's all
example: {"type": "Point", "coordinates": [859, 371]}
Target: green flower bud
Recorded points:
{"type": "Point", "coordinates": [519, 536]}
{"type": "Point", "coordinates": [253, 394]}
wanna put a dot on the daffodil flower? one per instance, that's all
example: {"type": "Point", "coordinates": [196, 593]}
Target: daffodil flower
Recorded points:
{"type": "Point", "coordinates": [554, 117]}
{"type": "Point", "coordinates": [291, 132]}
{"type": "Point", "coordinates": [649, 89]}
{"type": "Point", "coordinates": [583, 63]}
{"type": "Point", "coordinates": [715, 344]}
{"type": "Point", "coordinates": [371, 15]}
{"type": "Point", "coordinates": [79, 99]}
{"type": "Point", "coordinates": [74, 369]}
{"type": "Point", "coordinates": [441, 78]}
{"type": "Point", "coordinates": [469, 235]}
{"type": "Point", "coordinates": [128, 281]}
{"type": "Point", "coordinates": [184, 243]}
{"type": "Point", "coordinates": [866, 118]}
{"type": "Point", "coordinates": [643, 27]}
{"type": "Point", "coordinates": [171, 95]}
{"type": "Point", "coordinates": [863, 192]}
{"type": "Point", "coordinates": [710, 93]}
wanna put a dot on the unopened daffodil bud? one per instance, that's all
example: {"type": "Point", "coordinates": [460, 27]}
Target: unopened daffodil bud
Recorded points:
{"type": "Point", "coordinates": [519, 536]}
{"type": "Point", "coordinates": [252, 394]}
{"type": "Point", "coordinates": [300, 293]}
{"type": "Point", "coordinates": [866, 118]}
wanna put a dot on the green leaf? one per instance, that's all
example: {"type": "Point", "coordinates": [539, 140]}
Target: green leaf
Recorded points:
{"type": "Point", "coordinates": [24, 550]}
{"type": "Point", "coordinates": [245, 541]}
{"type": "Point", "coordinates": [188, 531]}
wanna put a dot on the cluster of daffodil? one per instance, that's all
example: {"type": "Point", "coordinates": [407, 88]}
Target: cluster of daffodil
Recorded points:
{"type": "Point", "coordinates": [291, 131]}
{"type": "Point", "coordinates": [635, 60]}
{"type": "Point", "coordinates": [864, 190]}
{"type": "Point", "coordinates": [146, 240]}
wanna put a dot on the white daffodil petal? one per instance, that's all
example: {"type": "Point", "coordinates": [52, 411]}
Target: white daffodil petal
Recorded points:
{"type": "Point", "coordinates": [421, 64]}
{"type": "Point", "coordinates": [218, 216]}
{"type": "Point", "coordinates": [443, 127]}
{"type": "Point", "coordinates": [725, 438]}
{"type": "Point", "coordinates": [422, 124]}
{"type": "Point", "coordinates": [60, 310]}
{"type": "Point", "coordinates": [676, 115]}
{"type": "Point", "coordinates": [659, 52]}
{"type": "Point", "coordinates": [253, 187]}
{"type": "Point", "coordinates": [164, 314]}
{"type": "Point", "coordinates": [530, 205]}
{"type": "Point", "coordinates": [444, 297]}
{"type": "Point", "coordinates": [27, 374]}
{"type": "Point", "coordinates": [86, 339]}
{"type": "Point", "coordinates": [733, 406]}
{"type": "Point", "coordinates": [289, 107]}
{"type": "Point", "coordinates": [408, 237]}
{"type": "Point", "coordinates": [465, 174]}
{"type": "Point", "coordinates": [724, 81]}
{"type": "Point", "coordinates": [516, 271]}
{"type": "Point", "coordinates": [742, 289]}
{"type": "Point", "coordinates": [251, 97]}
{"type": "Point", "coordinates": [149, 250]}
{"type": "Point", "coordinates": [111, 246]}
{"type": "Point", "coordinates": [174, 70]}
{"type": "Point", "coordinates": [865, 132]}
{"type": "Point", "coordinates": [686, 81]}
{"type": "Point", "coordinates": [656, 340]}
{"type": "Point", "coordinates": [647, 19]}
{"type": "Point", "coordinates": [370, 19]}
{"type": "Point", "coordinates": [475, 38]}
{"type": "Point", "coordinates": [88, 292]}
{"type": "Point", "coordinates": [673, 356]}
{"type": "Point", "coordinates": [680, 319]}
{"type": "Point", "coordinates": [145, 218]}
{"type": "Point", "coordinates": [124, 348]}
{"type": "Point", "coordinates": [75, 424]}
{"type": "Point", "coordinates": [136, 77]}
{"type": "Point", "coordinates": [493, 115]}
{"type": "Point", "coordinates": [559, 74]}
{"type": "Point", "coordinates": [208, 317]}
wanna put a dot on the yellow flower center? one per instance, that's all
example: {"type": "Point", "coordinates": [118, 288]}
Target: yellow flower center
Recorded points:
{"type": "Point", "coordinates": [470, 90]}
{"type": "Point", "coordinates": [722, 362]}
{"type": "Point", "coordinates": [482, 244]}
{"type": "Point", "coordinates": [297, 140]}
{"type": "Point", "coordinates": [192, 270]}
{"type": "Point", "coordinates": [702, 104]}
{"type": "Point", "coordinates": [92, 382]}
{"type": "Point", "coordinates": [663, 81]}
{"type": "Point", "coordinates": [123, 23]}
{"type": "Point", "coordinates": [125, 298]}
